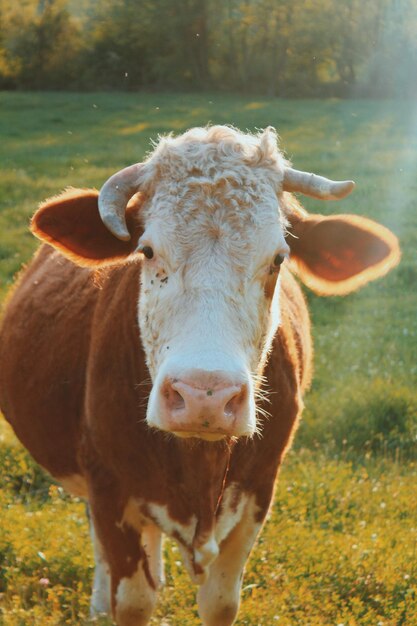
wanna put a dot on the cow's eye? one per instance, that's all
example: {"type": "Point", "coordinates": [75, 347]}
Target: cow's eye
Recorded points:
{"type": "Point", "coordinates": [278, 260]}
{"type": "Point", "coordinates": [147, 251]}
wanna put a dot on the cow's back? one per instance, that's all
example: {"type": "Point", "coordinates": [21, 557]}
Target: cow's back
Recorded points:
{"type": "Point", "coordinates": [44, 344]}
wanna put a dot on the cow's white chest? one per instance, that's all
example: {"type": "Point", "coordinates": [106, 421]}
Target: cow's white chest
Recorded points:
{"type": "Point", "coordinates": [196, 549]}
{"type": "Point", "coordinates": [183, 532]}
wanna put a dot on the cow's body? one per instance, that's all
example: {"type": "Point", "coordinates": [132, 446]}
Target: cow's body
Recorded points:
{"type": "Point", "coordinates": [74, 384]}
{"type": "Point", "coordinates": [65, 413]}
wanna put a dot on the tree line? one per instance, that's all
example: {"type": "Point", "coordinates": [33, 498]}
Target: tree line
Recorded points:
{"type": "Point", "coordinates": [286, 48]}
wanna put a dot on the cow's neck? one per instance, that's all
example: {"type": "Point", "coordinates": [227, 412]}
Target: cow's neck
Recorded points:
{"type": "Point", "coordinates": [188, 502]}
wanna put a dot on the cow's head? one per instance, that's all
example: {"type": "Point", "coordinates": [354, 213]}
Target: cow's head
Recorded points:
{"type": "Point", "coordinates": [214, 223]}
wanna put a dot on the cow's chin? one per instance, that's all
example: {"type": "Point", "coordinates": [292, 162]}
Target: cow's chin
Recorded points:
{"type": "Point", "coordinates": [197, 432]}
{"type": "Point", "coordinates": [210, 428]}
{"type": "Point", "coordinates": [186, 434]}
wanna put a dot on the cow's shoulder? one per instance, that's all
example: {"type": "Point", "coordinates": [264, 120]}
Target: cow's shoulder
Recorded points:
{"type": "Point", "coordinates": [45, 342]}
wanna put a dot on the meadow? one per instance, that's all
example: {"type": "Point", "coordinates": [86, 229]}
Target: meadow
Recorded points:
{"type": "Point", "coordinates": [340, 545]}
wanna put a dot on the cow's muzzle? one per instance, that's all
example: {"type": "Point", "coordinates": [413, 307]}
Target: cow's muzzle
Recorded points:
{"type": "Point", "coordinates": [207, 405]}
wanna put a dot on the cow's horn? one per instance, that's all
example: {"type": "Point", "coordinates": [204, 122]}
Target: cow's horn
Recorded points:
{"type": "Point", "coordinates": [316, 186]}
{"type": "Point", "coordinates": [114, 196]}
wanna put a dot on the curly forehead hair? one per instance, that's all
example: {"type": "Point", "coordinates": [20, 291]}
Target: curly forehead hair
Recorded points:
{"type": "Point", "coordinates": [213, 150]}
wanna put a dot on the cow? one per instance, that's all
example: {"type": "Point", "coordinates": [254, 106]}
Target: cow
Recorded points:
{"type": "Point", "coordinates": [155, 352]}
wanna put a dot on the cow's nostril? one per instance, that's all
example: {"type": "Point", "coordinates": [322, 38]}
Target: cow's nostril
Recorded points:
{"type": "Point", "coordinates": [232, 406]}
{"type": "Point", "coordinates": [177, 401]}
{"type": "Point", "coordinates": [174, 400]}
{"type": "Point", "coordinates": [228, 409]}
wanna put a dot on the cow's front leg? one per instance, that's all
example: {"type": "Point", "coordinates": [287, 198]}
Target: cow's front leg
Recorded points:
{"type": "Point", "coordinates": [219, 597]}
{"type": "Point", "coordinates": [100, 598]}
{"type": "Point", "coordinates": [133, 555]}
{"type": "Point", "coordinates": [135, 594]}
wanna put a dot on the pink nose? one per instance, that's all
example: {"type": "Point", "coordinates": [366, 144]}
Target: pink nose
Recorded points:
{"type": "Point", "coordinates": [205, 406]}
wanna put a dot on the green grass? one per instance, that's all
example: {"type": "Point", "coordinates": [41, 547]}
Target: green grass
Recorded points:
{"type": "Point", "coordinates": [340, 547]}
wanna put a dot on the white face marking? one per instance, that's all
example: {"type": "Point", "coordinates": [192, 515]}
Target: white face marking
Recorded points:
{"type": "Point", "coordinates": [214, 224]}
{"type": "Point", "coordinates": [204, 301]}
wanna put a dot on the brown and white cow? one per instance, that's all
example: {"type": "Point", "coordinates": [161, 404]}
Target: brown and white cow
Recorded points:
{"type": "Point", "coordinates": [134, 346]}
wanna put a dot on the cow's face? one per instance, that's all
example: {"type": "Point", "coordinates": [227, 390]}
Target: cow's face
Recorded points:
{"type": "Point", "coordinates": [213, 247]}
{"type": "Point", "coordinates": [211, 231]}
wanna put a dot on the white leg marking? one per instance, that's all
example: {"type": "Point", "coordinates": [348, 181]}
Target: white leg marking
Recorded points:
{"type": "Point", "coordinates": [135, 599]}
{"type": "Point", "coordinates": [206, 552]}
{"type": "Point", "coordinates": [100, 598]}
{"type": "Point", "coordinates": [152, 544]}
{"type": "Point", "coordinates": [136, 596]}
{"type": "Point", "coordinates": [230, 517]}
{"type": "Point", "coordinates": [219, 597]}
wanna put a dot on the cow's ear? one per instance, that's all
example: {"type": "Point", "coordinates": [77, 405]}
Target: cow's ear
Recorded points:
{"type": "Point", "coordinates": [71, 223]}
{"type": "Point", "coordinates": [337, 254]}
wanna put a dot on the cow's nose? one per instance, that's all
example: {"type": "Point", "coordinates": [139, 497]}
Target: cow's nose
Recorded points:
{"type": "Point", "coordinates": [225, 401]}
{"type": "Point", "coordinates": [196, 408]}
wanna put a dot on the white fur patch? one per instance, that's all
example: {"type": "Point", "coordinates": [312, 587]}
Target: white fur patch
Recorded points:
{"type": "Point", "coordinates": [135, 599]}
{"type": "Point", "coordinates": [152, 544]}
{"type": "Point", "coordinates": [229, 517]}
{"type": "Point", "coordinates": [219, 597]}
{"type": "Point", "coordinates": [214, 222]}
{"type": "Point", "coordinates": [203, 553]}
{"type": "Point", "coordinates": [151, 538]}
{"type": "Point", "coordinates": [171, 527]}
{"type": "Point", "coordinates": [207, 552]}
{"type": "Point", "coordinates": [100, 598]}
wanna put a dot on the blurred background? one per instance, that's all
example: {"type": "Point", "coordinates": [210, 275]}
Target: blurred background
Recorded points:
{"type": "Point", "coordinates": [286, 48]}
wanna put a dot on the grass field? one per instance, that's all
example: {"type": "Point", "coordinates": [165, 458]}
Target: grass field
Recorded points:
{"type": "Point", "coordinates": [340, 546]}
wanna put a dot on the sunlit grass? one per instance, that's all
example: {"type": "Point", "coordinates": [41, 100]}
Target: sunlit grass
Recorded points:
{"type": "Point", "coordinates": [340, 547]}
